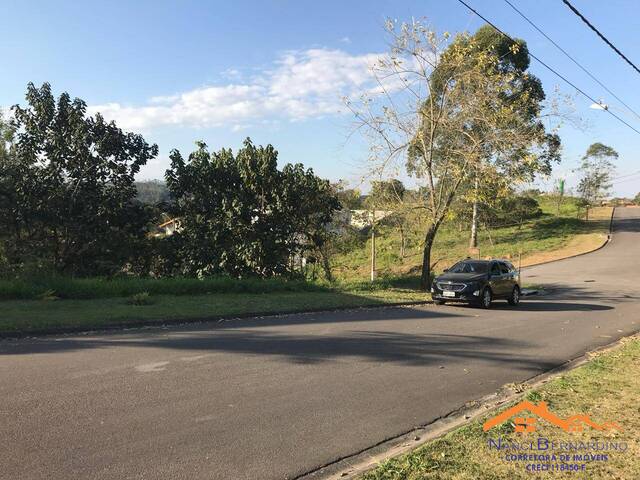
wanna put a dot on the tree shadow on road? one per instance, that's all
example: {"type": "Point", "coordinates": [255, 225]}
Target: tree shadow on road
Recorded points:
{"type": "Point", "coordinates": [293, 344]}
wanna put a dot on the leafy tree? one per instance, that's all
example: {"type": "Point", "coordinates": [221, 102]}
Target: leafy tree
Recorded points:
{"type": "Point", "coordinates": [636, 199]}
{"type": "Point", "coordinates": [67, 188]}
{"type": "Point", "coordinates": [597, 170]}
{"type": "Point", "coordinates": [391, 195]}
{"type": "Point", "coordinates": [509, 209]}
{"type": "Point", "coordinates": [6, 140]}
{"type": "Point", "coordinates": [7, 133]}
{"type": "Point", "coordinates": [349, 198]}
{"type": "Point", "coordinates": [489, 183]}
{"type": "Point", "coordinates": [240, 215]}
{"type": "Point", "coordinates": [465, 113]}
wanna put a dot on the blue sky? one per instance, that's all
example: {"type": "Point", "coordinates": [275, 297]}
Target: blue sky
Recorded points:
{"type": "Point", "coordinates": [275, 70]}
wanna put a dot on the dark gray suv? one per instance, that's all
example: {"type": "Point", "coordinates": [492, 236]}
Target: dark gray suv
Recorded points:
{"type": "Point", "coordinates": [477, 282]}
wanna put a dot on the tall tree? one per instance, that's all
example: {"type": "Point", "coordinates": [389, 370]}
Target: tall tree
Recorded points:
{"type": "Point", "coordinates": [597, 170]}
{"type": "Point", "coordinates": [389, 195]}
{"type": "Point", "coordinates": [68, 188]}
{"type": "Point", "coordinates": [511, 60]}
{"type": "Point", "coordinates": [7, 133]}
{"type": "Point", "coordinates": [446, 117]}
{"type": "Point", "coordinates": [240, 215]}
{"type": "Point", "coordinates": [6, 141]}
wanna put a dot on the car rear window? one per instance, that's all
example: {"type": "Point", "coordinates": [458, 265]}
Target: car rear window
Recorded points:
{"type": "Point", "coordinates": [469, 267]}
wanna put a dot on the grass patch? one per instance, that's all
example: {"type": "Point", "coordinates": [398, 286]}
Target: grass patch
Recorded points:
{"type": "Point", "coordinates": [25, 316]}
{"type": "Point", "coordinates": [607, 388]}
{"type": "Point", "coordinates": [93, 288]}
{"type": "Point", "coordinates": [565, 232]}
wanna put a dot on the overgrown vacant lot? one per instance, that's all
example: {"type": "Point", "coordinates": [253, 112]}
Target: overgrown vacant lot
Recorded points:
{"type": "Point", "coordinates": [607, 388]}
{"type": "Point", "coordinates": [50, 303]}
{"type": "Point", "coordinates": [551, 236]}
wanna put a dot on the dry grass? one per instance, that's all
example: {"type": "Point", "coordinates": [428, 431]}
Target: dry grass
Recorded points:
{"type": "Point", "coordinates": [578, 244]}
{"type": "Point", "coordinates": [582, 243]}
{"type": "Point", "coordinates": [600, 213]}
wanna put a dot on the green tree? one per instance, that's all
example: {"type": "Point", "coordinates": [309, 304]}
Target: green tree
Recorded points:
{"type": "Point", "coordinates": [67, 188]}
{"type": "Point", "coordinates": [512, 58]}
{"type": "Point", "coordinates": [390, 196]}
{"type": "Point", "coordinates": [6, 141]}
{"type": "Point", "coordinates": [7, 133]}
{"type": "Point", "coordinates": [350, 198]}
{"type": "Point", "coordinates": [465, 113]}
{"type": "Point", "coordinates": [597, 170]}
{"type": "Point", "coordinates": [240, 215]}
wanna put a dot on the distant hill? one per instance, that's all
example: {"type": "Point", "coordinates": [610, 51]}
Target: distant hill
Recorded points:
{"type": "Point", "coordinates": [152, 192]}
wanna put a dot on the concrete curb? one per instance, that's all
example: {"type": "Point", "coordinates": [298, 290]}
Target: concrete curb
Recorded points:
{"type": "Point", "coordinates": [528, 292]}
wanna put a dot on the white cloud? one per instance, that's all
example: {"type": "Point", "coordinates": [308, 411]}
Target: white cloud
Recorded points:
{"type": "Point", "coordinates": [300, 85]}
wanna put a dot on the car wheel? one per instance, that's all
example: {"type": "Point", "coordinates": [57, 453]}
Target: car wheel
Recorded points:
{"type": "Point", "coordinates": [487, 297]}
{"type": "Point", "coordinates": [438, 302]}
{"type": "Point", "coordinates": [514, 299]}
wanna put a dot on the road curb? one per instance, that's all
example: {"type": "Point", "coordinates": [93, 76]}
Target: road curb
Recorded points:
{"type": "Point", "coordinates": [528, 292]}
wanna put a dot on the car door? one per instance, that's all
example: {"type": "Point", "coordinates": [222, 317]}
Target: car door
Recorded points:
{"type": "Point", "coordinates": [507, 278]}
{"type": "Point", "coordinates": [496, 282]}
{"type": "Point", "coordinates": [511, 277]}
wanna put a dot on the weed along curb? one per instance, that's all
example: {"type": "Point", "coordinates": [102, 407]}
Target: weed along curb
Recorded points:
{"type": "Point", "coordinates": [354, 466]}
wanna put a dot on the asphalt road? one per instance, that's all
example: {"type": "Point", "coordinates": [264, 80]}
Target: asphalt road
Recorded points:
{"type": "Point", "coordinates": [276, 397]}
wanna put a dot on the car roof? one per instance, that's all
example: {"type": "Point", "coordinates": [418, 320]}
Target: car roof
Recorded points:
{"type": "Point", "coordinates": [477, 260]}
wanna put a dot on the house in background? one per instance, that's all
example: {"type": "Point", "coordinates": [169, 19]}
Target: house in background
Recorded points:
{"type": "Point", "coordinates": [170, 227]}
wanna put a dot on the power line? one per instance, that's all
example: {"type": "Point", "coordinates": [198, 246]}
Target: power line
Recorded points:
{"type": "Point", "coordinates": [626, 175]}
{"type": "Point", "coordinates": [590, 25]}
{"type": "Point", "coordinates": [567, 81]}
{"type": "Point", "coordinates": [571, 58]}
{"type": "Point", "coordinates": [625, 180]}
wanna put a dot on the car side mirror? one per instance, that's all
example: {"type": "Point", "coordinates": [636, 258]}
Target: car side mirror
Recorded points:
{"type": "Point", "coordinates": [445, 270]}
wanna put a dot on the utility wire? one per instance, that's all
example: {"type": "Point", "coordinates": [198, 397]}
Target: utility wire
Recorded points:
{"type": "Point", "coordinates": [626, 175]}
{"type": "Point", "coordinates": [626, 180]}
{"type": "Point", "coordinates": [590, 25]}
{"type": "Point", "coordinates": [567, 81]}
{"type": "Point", "coordinates": [571, 58]}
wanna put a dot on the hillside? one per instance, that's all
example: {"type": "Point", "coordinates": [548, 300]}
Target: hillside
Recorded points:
{"type": "Point", "coordinates": [554, 233]}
